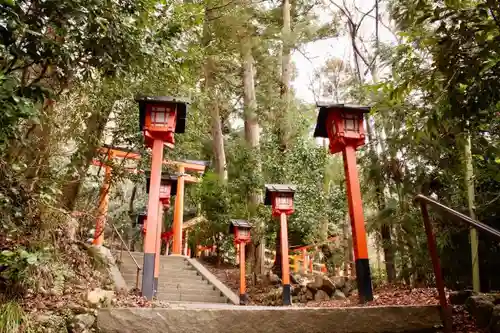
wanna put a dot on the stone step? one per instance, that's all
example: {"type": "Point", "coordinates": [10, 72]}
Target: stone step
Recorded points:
{"type": "Point", "coordinates": [164, 272]}
{"type": "Point", "coordinates": [130, 279]}
{"type": "Point", "coordinates": [189, 292]}
{"type": "Point", "coordinates": [178, 281]}
{"type": "Point", "coordinates": [199, 287]}
{"type": "Point", "coordinates": [190, 298]}
{"type": "Point", "coordinates": [173, 263]}
{"type": "Point", "coordinates": [140, 255]}
{"type": "Point", "coordinates": [170, 259]}
{"type": "Point", "coordinates": [162, 267]}
{"type": "Point", "coordinates": [202, 286]}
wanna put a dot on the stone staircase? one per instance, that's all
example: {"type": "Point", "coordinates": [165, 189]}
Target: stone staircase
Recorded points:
{"type": "Point", "coordinates": [179, 281]}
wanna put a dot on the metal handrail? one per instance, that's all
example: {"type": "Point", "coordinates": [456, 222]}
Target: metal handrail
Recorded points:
{"type": "Point", "coordinates": [446, 315]}
{"type": "Point", "coordinates": [463, 217]}
{"type": "Point", "coordinates": [130, 254]}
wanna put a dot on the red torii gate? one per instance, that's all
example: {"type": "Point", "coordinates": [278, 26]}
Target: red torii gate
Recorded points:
{"type": "Point", "coordinates": [115, 152]}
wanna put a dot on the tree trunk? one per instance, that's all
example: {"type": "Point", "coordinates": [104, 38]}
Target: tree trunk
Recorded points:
{"type": "Point", "coordinates": [323, 234]}
{"type": "Point", "coordinates": [252, 140]}
{"type": "Point", "coordinates": [474, 241]}
{"type": "Point", "coordinates": [347, 246]}
{"type": "Point", "coordinates": [212, 95]}
{"type": "Point", "coordinates": [283, 123]}
{"type": "Point", "coordinates": [286, 57]}
{"type": "Point", "coordinates": [80, 161]}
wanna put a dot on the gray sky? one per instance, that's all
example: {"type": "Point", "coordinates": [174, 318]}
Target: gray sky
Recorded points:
{"type": "Point", "coordinates": [317, 53]}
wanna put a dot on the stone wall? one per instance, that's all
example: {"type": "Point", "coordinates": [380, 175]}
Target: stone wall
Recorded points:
{"type": "Point", "coordinates": [235, 319]}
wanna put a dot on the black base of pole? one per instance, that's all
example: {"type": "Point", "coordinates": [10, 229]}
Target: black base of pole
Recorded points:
{"type": "Point", "coordinates": [155, 286]}
{"type": "Point", "coordinates": [243, 299]}
{"type": "Point", "coordinates": [287, 294]}
{"type": "Point", "coordinates": [364, 280]}
{"type": "Point", "coordinates": [148, 276]}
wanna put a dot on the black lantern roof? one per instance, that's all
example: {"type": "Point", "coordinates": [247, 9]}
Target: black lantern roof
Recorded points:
{"type": "Point", "coordinates": [324, 109]}
{"type": "Point", "coordinates": [239, 224]}
{"type": "Point", "coordinates": [172, 179]}
{"type": "Point", "coordinates": [182, 108]}
{"type": "Point", "coordinates": [283, 188]}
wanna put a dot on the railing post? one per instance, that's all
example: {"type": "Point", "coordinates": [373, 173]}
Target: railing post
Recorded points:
{"type": "Point", "coordinates": [431, 243]}
{"type": "Point", "coordinates": [137, 278]}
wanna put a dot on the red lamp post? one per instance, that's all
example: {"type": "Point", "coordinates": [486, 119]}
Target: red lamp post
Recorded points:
{"type": "Point", "coordinates": [343, 125]}
{"type": "Point", "coordinates": [241, 231]}
{"type": "Point", "coordinates": [159, 119]}
{"type": "Point", "coordinates": [168, 188]}
{"type": "Point", "coordinates": [166, 184]}
{"type": "Point", "coordinates": [280, 197]}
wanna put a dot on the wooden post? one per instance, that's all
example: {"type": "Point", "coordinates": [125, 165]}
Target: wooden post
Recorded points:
{"type": "Point", "coordinates": [363, 275]}
{"type": "Point", "coordinates": [285, 269]}
{"type": "Point", "coordinates": [150, 237]}
{"type": "Point", "coordinates": [243, 291]}
{"type": "Point", "coordinates": [178, 212]}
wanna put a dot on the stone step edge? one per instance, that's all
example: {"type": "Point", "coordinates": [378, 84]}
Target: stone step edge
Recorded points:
{"type": "Point", "coordinates": [221, 318]}
{"type": "Point", "coordinates": [213, 280]}
{"type": "Point", "coordinates": [198, 299]}
{"type": "Point", "coordinates": [189, 292]}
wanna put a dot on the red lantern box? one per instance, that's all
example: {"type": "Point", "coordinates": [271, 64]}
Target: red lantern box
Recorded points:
{"type": "Point", "coordinates": [280, 197]}
{"type": "Point", "coordinates": [342, 124]}
{"type": "Point", "coordinates": [168, 187]}
{"type": "Point", "coordinates": [160, 117]}
{"type": "Point", "coordinates": [241, 231]}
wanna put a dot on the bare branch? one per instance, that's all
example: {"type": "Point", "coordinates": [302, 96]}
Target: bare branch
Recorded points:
{"type": "Point", "coordinates": [380, 22]}
{"type": "Point", "coordinates": [364, 15]}
{"type": "Point", "coordinates": [344, 11]}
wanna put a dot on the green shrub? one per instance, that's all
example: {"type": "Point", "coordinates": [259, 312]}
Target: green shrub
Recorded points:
{"type": "Point", "coordinates": [21, 269]}
{"type": "Point", "coordinates": [13, 319]}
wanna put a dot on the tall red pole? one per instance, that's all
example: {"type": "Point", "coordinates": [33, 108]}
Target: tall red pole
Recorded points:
{"type": "Point", "coordinates": [285, 266]}
{"type": "Point", "coordinates": [150, 237]}
{"type": "Point", "coordinates": [363, 275]}
{"type": "Point", "coordinates": [243, 291]}
{"type": "Point", "coordinates": [102, 210]}
{"type": "Point", "coordinates": [178, 213]}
